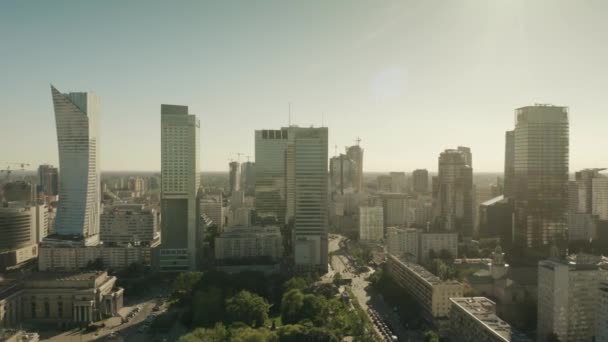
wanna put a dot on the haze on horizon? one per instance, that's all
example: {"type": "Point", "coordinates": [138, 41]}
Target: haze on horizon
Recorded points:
{"type": "Point", "coordinates": [411, 78]}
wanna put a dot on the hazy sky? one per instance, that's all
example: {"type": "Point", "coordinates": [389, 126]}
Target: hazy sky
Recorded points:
{"type": "Point", "coordinates": [410, 78]}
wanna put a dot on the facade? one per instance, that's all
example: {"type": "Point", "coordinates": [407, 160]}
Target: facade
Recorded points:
{"type": "Point", "coordinates": [454, 192]}
{"type": "Point", "coordinates": [76, 117]}
{"type": "Point", "coordinates": [395, 209]}
{"type": "Point", "coordinates": [371, 223]}
{"type": "Point", "coordinates": [179, 186]}
{"type": "Point", "coordinates": [385, 183]}
{"type": "Point", "coordinates": [270, 173]}
{"type": "Point", "coordinates": [134, 224]}
{"type": "Point", "coordinates": [473, 319]}
{"type": "Point", "coordinates": [601, 325]}
{"type": "Point", "coordinates": [211, 205]}
{"type": "Point", "coordinates": [48, 178]}
{"type": "Point", "coordinates": [234, 177]}
{"type": "Point", "coordinates": [307, 196]}
{"type": "Point", "coordinates": [240, 243]}
{"type": "Point", "coordinates": [342, 173]}
{"type": "Point", "coordinates": [403, 243]}
{"type": "Point", "coordinates": [355, 153]}
{"type": "Point", "coordinates": [509, 174]}
{"type": "Point", "coordinates": [398, 182]}
{"type": "Point", "coordinates": [568, 295]}
{"type": "Point", "coordinates": [19, 191]}
{"type": "Point", "coordinates": [437, 242]}
{"type": "Point", "coordinates": [541, 174]}
{"type": "Point", "coordinates": [22, 227]}
{"type": "Point", "coordinates": [496, 220]}
{"type": "Point", "coordinates": [582, 224]}
{"type": "Point", "coordinates": [248, 178]}
{"type": "Point", "coordinates": [63, 298]}
{"type": "Point", "coordinates": [137, 186]}
{"type": "Point", "coordinates": [600, 198]}
{"type": "Point", "coordinates": [420, 181]}
{"type": "Point", "coordinates": [432, 294]}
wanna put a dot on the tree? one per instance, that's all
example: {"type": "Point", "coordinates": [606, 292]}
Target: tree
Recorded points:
{"type": "Point", "coordinates": [292, 302]}
{"type": "Point", "coordinates": [248, 334]}
{"type": "Point", "coordinates": [295, 283]}
{"type": "Point", "coordinates": [248, 308]}
{"type": "Point", "coordinates": [314, 308]}
{"type": "Point", "coordinates": [217, 334]}
{"type": "Point", "coordinates": [207, 307]}
{"type": "Point", "coordinates": [431, 336]}
{"type": "Point", "coordinates": [185, 283]}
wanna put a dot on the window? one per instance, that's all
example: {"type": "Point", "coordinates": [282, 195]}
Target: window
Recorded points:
{"type": "Point", "coordinates": [33, 309]}
{"type": "Point", "coordinates": [47, 309]}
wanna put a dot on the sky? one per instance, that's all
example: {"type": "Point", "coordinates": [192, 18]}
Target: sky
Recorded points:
{"type": "Point", "coordinates": [410, 78]}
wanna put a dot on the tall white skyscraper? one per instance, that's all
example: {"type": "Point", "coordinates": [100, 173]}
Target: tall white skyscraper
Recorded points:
{"type": "Point", "coordinates": [306, 168]}
{"type": "Point", "coordinates": [76, 117]}
{"type": "Point", "coordinates": [179, 185]}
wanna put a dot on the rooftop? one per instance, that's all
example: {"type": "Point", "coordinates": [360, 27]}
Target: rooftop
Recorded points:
{"type": "Point", "coordinates": [65, 276]}
{"type": "Point", "coordinates": [484, 310]}
{"type": "Point", "coordinates": [424, 274]}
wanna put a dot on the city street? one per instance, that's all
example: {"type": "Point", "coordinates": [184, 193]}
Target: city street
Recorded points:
{"type": "Point", "coordinates": [364, 294]}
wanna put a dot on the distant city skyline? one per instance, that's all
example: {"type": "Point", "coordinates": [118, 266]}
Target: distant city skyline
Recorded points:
{"type": "Point", "coordinates": [411, 78]}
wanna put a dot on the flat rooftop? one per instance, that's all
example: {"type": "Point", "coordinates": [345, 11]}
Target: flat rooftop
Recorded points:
{"type": "Point", "coordinates": [64, 276]}
{"type": "Point", "coordinates": [424, 274]}
{"type": "Point", "coordinates": [484, 311]}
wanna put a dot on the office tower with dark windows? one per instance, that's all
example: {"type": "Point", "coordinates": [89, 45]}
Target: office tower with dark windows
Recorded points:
{"type": "Point", "coordinates": [270, 172]}
{"type": "Point", "coordinates": [48, 179]}
{"type": "Point", "coordinates": [454, 192]}
{"type": "Point", "coordinates": [76, 117]}
{"type": "Point", "coordinates": [342, 173]}
{"type": "Point", "coordinates": [307, 196]}
{"type": "Point", "coordinates": [355, 153]}
{"type": "Point", "coordinates": [248, 178]}
{"type": "Point", "coordinates": [234, 176]}
{"type": "Point", "coordinates": [582, 221]}
{"type": "Point", "coordinates": [509, 164]}
{"type": "Point", "coordinates": [179, 185]}
{"type": "Point", "coordinates": [420, 181]}
{"type": "Point", "coordinates": [541, 145]}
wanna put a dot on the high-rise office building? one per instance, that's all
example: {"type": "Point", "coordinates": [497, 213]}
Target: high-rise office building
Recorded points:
{"type": "Point", "coordinates": [19, 191]}
{"type": "Point", "coordinates": [270, 171]}
{"type": "Point", "coordinates": [76, 117]}
{"type": "Point", "coordinates": [600, 198]}
{"type": "Point", "coordinates": [234, 176]}
{"type": "Point", "coordinates": [568, 295]}
{"type": "Point", "coordinates": [420, 181]}
{"type": "Point", "coordinates": [454, 192]}
{"type": "Point", "coordinates": [179, 186]}
{"type": "Point", "coordinates": [509, 163]}
{"type": "Point", "coordinates": [468, 157]}
{"type": "Point", "coordinates": [248, 178]}
{"type": "Point", "coordinates": [541, 146]}
{"type": "Point", "coordinates": [48, 178]}
{"type": "Point", "coordinates": [355, 153]}
{"type": "Point", "coordinates": [398, 182]}
{"type": "Point", "coordinates": [307, 196]}
{"type": "Point", "coordinates": [582, 222]}
{"type": "Point", "coordinates": [342, 171]}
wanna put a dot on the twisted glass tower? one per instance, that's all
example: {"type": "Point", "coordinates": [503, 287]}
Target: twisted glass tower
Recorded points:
{"type": "Point", "coordinates": [76, 116]}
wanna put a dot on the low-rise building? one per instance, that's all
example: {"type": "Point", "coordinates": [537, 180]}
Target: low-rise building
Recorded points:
{"type": "Point", "coordinates": [240, 243]}
{"type": "Point", "coordinates": [62, 298]}
{"type": "Point", "coordinates": [432, 294]}
{"type": "Point", "coordinates": [403, 242]}
{"type": "Point", "coordinates": [416, 245]}
{"type": "Point", "coordinates": [473, 319]}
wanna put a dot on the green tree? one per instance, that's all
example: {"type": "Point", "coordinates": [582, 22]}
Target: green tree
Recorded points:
{"type": "Point", "coordinates": [291, 304]}
{"type": "Point", "coordinates": [217, 334]}
{"type": "Point", "coordinates": [248, 308]}
{"type": "Point", "coordinates": [207, 307]}
{"type": "Point", "coordinates": [314, 308]}
{"type": "Point", "coordinates": [295, 283]}
{"type": "Point", "coordinates": [431, 336]}
{"type": "Point", "coordinates": [185, 283]}
{"type": "Point", "coordinates": [253, 335]}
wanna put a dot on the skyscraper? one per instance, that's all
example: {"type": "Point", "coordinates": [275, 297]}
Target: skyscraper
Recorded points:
{"type": "Point", "coordinates": [420, 181]}
{"type": "Point", "coordinates": [48, 179]}
{"type": "Point", "coordinates": [76, 117]}
{"type": "Point", "coordinates": [248, 178]}
{"type": "Point", "coordinates": [234, 176]}
{"type": "Point", "coordinates": [582, 223]}
{"type": "Point", "coordinates": [541, 174]}
{"type": "Point", "coordinates": [509, 163]}
{"type": "Point", "coordinates": [270, 171]}
{"type": "Point", "coordinates": [355, 153]}
{"type": "Point", "coordinates": [307, 196]}
{"type": "Point", "coordinates": [179, 185]}
{"type": "Point", "coordinates": [454, 192]}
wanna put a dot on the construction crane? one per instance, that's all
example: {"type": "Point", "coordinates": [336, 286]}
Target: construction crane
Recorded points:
{"type": "Point", "coordinates": [8, 169]}
{"type": "Point", "coordinates": [358, 141]}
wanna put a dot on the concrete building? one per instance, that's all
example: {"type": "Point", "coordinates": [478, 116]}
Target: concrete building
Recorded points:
{"type": "Point", "coordinates": [134, 224]}
{"type": "Point", "coordinates": [398, 182]}
{"type": "Point", "coordinates": [22, 227]}
{"type": "Point", "coordinates": [342, 173]}
{"type": "Point", "coordinates": [454, 192]}
{"type": "Point", "coordinates": [234, 177]}
{"type": "Point", "coordinates": [436, 242]}
{"type": "Point", "coordinates": [64, 298]}
{"type": "Point", "coordinates": [568, 295]}
{"type": "Point", "coordinates": [474, 319]}
{"type": "Point", "coordinates": [212, 206]}
{"type": "Point", "coordinates": [270, 178]}
{"type": "Point", "coordinates": [395, 209]}
{"type": "Point", "coordinates": [582, 222]}
{"type": "Point", "coordinates": [355, 153]}
{"type": "Point", "coordinates": [600, 198]}
{"type": "Point", "coordinates": [403, 243]}
{"type": "Point", "coordinates": [254, 244]}
{"type": "Point", "coordinates": [19, 191]}
{"type": "Point", "coordinates": [307, 196]}
{"type": "Point", "coordinates": [384, 183]}
{"type": "Point", "coordinates": [76, 117]}
{"type": "Point", "coordinates": [371, 223]}
{"type": "Point", "coordinates": [541, 175]}
{"type": "Point", "coordinates": [496, 220]}
{"type": "Point", "coordinates": [432, 294]}
{"type": "Point", "coordinates": [137, 186]}
{"type": "Point", "coordinates": [179, 186]}
{"type": "Point", "coordinates": [420, 181]}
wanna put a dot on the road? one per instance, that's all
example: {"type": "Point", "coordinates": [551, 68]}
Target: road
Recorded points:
{"type": "Point", "coordinates": [364, 294]}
